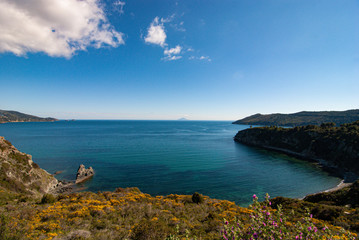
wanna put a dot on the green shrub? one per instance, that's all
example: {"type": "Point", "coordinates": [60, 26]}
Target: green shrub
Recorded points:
{"type": "Point", "coordinates": [197, 198]}
{"type": "Point", "coordinates": [151, 230]}
{"type": "Point", "coordinates": [48, 198]}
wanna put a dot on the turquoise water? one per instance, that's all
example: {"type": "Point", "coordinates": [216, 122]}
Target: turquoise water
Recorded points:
{"type": "Point", "coordinates": [164, 157]}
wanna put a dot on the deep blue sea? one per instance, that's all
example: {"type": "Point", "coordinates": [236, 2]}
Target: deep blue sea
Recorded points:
{"type": "Point", "coordinates": [164, 157]}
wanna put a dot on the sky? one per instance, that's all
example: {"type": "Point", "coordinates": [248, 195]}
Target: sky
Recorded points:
{"type": "Point", "coordinates": [164, 59]}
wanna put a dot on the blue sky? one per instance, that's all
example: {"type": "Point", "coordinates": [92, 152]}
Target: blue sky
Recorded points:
{"type": "Point", "coordinates": [202, 60]}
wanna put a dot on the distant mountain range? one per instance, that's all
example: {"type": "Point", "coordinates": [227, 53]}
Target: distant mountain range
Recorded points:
{"type": "Point", "coordinates": [301, 118]}
{"type": "Point", "coordinates": [13, 116]}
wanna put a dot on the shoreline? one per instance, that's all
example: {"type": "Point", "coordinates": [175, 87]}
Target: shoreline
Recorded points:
{"type": "Point", "coordinates": [342, 184]}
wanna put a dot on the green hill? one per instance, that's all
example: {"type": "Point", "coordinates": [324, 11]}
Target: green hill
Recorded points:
{"type": "Point", "coordinates": [13, 116]}
{"type": "Point", "coordinates": [301, 118]}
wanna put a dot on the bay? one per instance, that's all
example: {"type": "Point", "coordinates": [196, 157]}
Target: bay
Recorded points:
{"type": "Point", "coordinates": [165, 157]}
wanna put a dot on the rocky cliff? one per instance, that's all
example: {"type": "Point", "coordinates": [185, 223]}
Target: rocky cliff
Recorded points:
{"type": "Point", "coordinates": [18, 173]}
{"type": "Point", "coordinates": [336, 147]}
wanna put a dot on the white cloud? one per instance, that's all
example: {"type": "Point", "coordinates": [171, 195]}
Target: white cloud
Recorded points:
{"type": "Point", "coordinates": [178, 27]}
{"type": "Point", "coordinates": [58, 28]}
{"type": "Point", "coordinates": [156, 33]}
{"type": "Point", "coordinates": [171, 58]}
{"type": "Point", "coordinates": [205, 58]}
{"type": "Point", "coordinates": [168, 19]}
{"type": "Point", "coordinates": [172, 51]}
{"type": "Point", "coordinates": [119, 5]}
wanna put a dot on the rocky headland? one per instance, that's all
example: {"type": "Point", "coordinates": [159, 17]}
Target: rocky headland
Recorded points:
{"type": "Point", "coordinates": [301, 118]}
{"type": "Point", "coordinates": [13, 116]}
{"type": "Point", "coordinates": [335, 148]}
{"type": "Point", "coordinates": [19, 173]}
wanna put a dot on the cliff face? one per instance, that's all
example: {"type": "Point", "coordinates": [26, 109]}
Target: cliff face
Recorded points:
{"type": "Point", "coordinates": [332, 146]}
{"type": "Point", "coordinates": [18, 173]}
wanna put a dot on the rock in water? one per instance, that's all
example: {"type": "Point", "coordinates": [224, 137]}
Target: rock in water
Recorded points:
{"type": "Point", "coordinates": [83, 174]}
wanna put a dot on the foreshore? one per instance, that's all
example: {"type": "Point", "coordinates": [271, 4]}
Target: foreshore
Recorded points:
{"type": "Point", "coordinates": [341, 185]}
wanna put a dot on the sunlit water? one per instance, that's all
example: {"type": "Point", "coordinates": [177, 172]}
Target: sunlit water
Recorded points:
{"type": "Point", "coordinates": [164, 157]}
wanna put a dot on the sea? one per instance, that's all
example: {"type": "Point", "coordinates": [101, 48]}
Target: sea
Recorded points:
{"type": "Point", "coordinates": [166, 157]}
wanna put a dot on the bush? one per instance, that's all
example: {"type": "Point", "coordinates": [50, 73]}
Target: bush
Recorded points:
{"type": "Point", "coordinates": [197, 198]}
{"type": "Point", "coordinates": [265, 223]}
{"type": "Point", "coordinates": [48, 198]}
{"type": "Point", "coordinates": [150, 230]}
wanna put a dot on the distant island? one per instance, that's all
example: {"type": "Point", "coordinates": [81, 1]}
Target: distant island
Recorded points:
{"type": "Point", "coordinates": [333, 147]}
{"type": "Point", "coordinates": [13, 116]}
{"type": "Point", "coordinates": [301, 118]}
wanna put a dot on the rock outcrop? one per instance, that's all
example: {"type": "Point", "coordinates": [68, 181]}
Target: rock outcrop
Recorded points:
{"type": "Point", "coordinates": [19, 174]}
{"type": "Point", "coordinates": [84, 174]}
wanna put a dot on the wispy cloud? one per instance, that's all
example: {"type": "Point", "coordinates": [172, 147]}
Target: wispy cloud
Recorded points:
{"type": "Point", "coordinates": [58, 28]}
{"type": "Point", "coordinates": [156, 33]}
{"type": "Point", "coordinates": [172, 53]}
{"type": "Point", "coordinates": [119, 5]}
{"type": "Point", "coordinates": [178, 26]}
{"type": "Point", "coordinates": [171, 58]}
{"type": "Point", "coordinates": [206, 58]}
{"type": "Point", "coordinates": [175, 50]}
{"type": "Point", "coordinates": [202, 58]}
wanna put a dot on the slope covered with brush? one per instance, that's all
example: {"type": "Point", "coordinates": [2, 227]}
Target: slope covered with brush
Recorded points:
{"type": "Point", "coordinates": [301, 118]}
{"type": "Point", "coordinates": [19, 174]}
{"type": "Point", "coordinates": [13, 116]}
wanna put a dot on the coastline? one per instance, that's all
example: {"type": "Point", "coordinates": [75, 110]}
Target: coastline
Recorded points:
{"type": "Point", "coordinates": [344, 174]}
{"type": "Point", "coordinates": [342, 184]}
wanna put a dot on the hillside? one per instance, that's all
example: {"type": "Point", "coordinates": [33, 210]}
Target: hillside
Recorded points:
{"type": "Point", "coordinates": [340, 207]}
{"type": "Point", "coordinates": [334, 147]}
{"type": "Point", "coordinates": [13, 116]}
{"type": "Point", "coordinates": [301, 118]}
{"type": "Point", "coordinates": [19, 174]}
{"type": "Point", "coordinates": [130, 214]}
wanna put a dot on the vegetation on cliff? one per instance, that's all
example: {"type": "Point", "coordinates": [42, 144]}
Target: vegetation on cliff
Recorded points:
{"type": "Point", "coordinates": [19, 174]}
{"type": "Point", "coordinates": [301, 118]}
{"type": "Point", "coordinates": [340, 208]}
{"type": "Point", "coordinates": [335, 146]}
{"type": "Point", "coordinates": [13, 116]}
